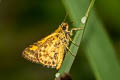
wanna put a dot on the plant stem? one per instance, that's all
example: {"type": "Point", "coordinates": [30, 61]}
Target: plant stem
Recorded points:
{"type": "Point", "coordinates": [68, 61]}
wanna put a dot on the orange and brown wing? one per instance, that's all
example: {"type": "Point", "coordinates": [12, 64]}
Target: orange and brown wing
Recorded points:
{"type": "Point", "coordinates": [30, 53]}
{"type": "Point", "coordinates": [51, 55]}
{"type": "Point", "coordinates": [49, 51]}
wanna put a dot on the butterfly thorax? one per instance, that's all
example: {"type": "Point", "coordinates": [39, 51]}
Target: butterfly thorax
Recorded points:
{"type": "Point", "coordinates": [63, 33]}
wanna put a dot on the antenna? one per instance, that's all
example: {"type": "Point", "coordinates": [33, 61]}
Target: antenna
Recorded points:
{"type": "Point", "coordinates": [71, 22]}
{"type": "Point", "coordinates": [65, 17]}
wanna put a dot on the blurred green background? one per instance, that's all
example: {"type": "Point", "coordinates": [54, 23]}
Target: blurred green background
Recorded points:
{"type": "Point", "coordinates": [23, 22]}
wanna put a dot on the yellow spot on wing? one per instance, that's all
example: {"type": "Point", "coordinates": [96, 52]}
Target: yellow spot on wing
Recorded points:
{"type": "Point", "coordinates": [33, 48]}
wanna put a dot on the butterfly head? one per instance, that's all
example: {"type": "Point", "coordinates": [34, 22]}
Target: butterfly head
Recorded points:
{"type": "Point", "coordinates": [64, 26]}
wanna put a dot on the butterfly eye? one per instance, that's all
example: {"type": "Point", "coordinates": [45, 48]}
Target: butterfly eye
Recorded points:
{"type": "Point", "coordinates": [64, 27]}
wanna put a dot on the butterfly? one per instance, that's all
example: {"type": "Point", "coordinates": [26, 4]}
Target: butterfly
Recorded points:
{"type": "Point", "coordinates": [50, 51]}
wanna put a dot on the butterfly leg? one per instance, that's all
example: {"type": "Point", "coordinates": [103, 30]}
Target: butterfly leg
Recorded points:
{"type": "Point", "coordinates": [69, 50]}
{"type": "Point", "coordinates": [76, 29]}
{"type": "Point", "coordinates": [73, 42]}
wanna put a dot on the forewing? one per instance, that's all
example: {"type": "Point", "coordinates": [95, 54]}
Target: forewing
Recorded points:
{"type": "Point", "coordinates": [49, 51]}
{"type": "Point", "coordinates": [30, 53]}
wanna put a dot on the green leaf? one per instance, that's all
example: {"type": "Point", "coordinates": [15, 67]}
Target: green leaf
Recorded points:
{"type": "Point", "coordinates": [99, 50]}
{"type": "Point", "coordinates": [77, 39]}
{"type": "Point", "coordinates": [96, 44]}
